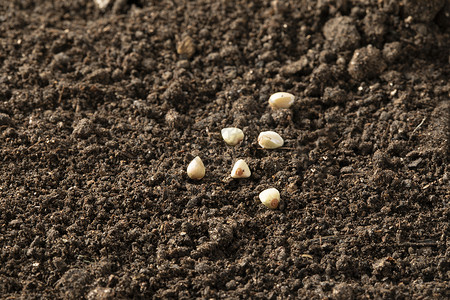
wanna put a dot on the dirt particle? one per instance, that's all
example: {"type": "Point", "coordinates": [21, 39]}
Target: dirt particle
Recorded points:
{"type": "Point", "coordinates": [83, 129]}
{"type": "Point", "coordinates": [343, 291]}
{"type": "Point", "coordinates": [423, 10]}
{"type": "Point", "coordinates": [342, 33]}
{"type": "Point", "coordinates": [346, 170]}
{"type": "Point", "coordinates": [174, 119]}
{"type": "Point", "coordinates": [344, 263]}
{"type": "Point", "coordinates": [299, 67]}
{"type": "Point", "coordinates": [334, 95]}
{"type": "Point", "coordinates": [222, 234]}
{"type": "Point", "coordinates": [61, 61]}
{"type": "Point", "coordinates": [101, 293]}
{"type": "Point", "coordinates": [366, 63]}
{"type": "Point", "coordinates": [326, 56]}
{"type": "Point", "coordinates": [186, 47]}
{"type": "Point", "coordinates": [131, 62]}
{"type": "Point", "coordinates": [100, 76]}
{"type": "Point", "coordinates": [120, 6]}
{"type": "Point", "coordinates": [231, 285]}
{"type": "Point", "coordinates": [73, 283]}
{"type": "Point", "coordinates": [383, 267]}
{"type": "Point", "coordinates": [443, 17]}
{"type": "Point", "coordinates": [392, 51]}
{"type": "Point", "coordinates": [374, 27]}
{"type": "Point", "coordinates": [4, 119]}
{"type": "Point", "coordinates": [415, 163]}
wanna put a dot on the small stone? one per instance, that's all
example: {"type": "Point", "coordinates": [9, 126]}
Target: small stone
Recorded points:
{"type": "Point", "coordinates": [240, 170]}
{"type": "Point", "coordinates": [186, 47]}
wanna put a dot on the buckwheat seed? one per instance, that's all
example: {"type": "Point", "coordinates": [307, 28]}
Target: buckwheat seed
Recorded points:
{"type": "Point", "coordinates": [196, 169]}
{"type": "Point", "coordinates": [270, 198]}
{"type": "Point", "coordinates": [281, 100]}
{"type": "Point", "coordinates": [270, 140]}
{"type": "Point", "coordinates": [240, 170]}
{"type": "Point", "coordinates": [232, 136]}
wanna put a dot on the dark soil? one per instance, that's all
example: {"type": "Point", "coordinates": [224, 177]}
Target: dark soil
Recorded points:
{"type": "Point", "coordinates": [101, 110]}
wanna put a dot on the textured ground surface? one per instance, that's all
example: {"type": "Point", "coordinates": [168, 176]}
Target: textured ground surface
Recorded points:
{"type": "Point", "coordinates": [102, 110]}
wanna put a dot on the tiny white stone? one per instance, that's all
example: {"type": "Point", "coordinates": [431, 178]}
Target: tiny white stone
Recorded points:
{"type": "Point", "coordinates": [240, 170]}
{"type": "Point", "coordinates": [270, 198]}
{"type": "Point", "coordinates": [232, 136]}
{"type": "Point", "coordinates": [270, 140]}
{"type": "Point", "coordinates": [281, 100]}
{"type": "Point", "coordinates": [196, 169]}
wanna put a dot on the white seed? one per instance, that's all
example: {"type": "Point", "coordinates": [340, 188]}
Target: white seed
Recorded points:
{"type": "Point", "coordinates": [196, 169]}
{"type": "Point", "coordinates": [232, 136]}
{"type": "Point", "coordinates": [281, 100]}
{"type": "Point", "coordinates": [270, 198]}
{"type": "Point", "coordinates": [102, 3]}
{"type": "Point", "coordinates": [270, 140]}
{"type": "Point", "coordinates": [240, 170]}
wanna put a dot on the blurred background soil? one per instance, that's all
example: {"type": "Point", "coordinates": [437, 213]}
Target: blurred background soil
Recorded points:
{"type": "Point", "coordinates": [102, 108]}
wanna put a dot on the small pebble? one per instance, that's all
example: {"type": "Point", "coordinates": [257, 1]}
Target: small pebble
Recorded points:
{"type": "Point", "coordinates": [240, 170]}
{"type": "Point", "coordinates": [270, 140]}
{"type": "Point", "coordinates": [281, 100]}
{"type": "Point", "coordinates": [196, 169]}
{"type": "Point", "coordinates": [232, 136]}
{"type": "Point", "coordinates": [186, 47]}
{"type": "Point", "coordinates": [270, 198]}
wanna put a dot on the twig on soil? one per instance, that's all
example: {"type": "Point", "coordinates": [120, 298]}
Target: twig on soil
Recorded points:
{"type": "Point", "coordinates": [61, 95]}
{"type": "Point", "coordinates": [418, 126]}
